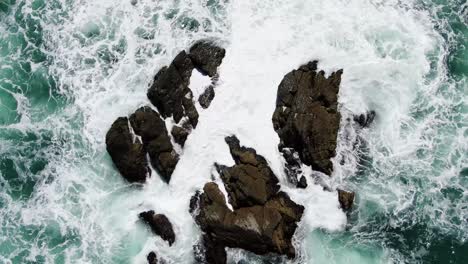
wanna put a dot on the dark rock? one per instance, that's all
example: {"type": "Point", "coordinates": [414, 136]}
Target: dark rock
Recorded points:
{"type": "Point", "coordinates": [263, 221]}
{"type": "Point", "coordinates": [206, 97]}
{"type": "Point", "coordinates": [194, 202]}
{"type": "Point", "coordinates": [259, 229]}
{"type": "Point", "coordinates": [365, 120]}
{"type": "Point", "coordinates": [302, 183]}
{"type": "Point", "coordinates": [127, 154]}
{"type": "Point", "coordinates": [207, 57]}
{"type": "Point", "coordinates": [160, 225]}
{"type": "Point", "coordinates": [306, 116]}
{"type": "Point", "coordinates": [152, 258]}
{"type": "Point", "coordinates": [214, 252]}
{"type": "Point", "coordinates": [170, 92]}
{"type": "Point", "coordinates": [148, 124]}
{"type": "Point", "coordinates": [346, 199]}
{"type": "Point", "coordinates": [180, 134]}
{"type": "Point", "coordinates": [249, 182]}
{"type": "Point", "coordinates": [292, 167]}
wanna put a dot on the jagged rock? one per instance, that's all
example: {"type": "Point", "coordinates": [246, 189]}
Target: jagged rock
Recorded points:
{"type": "Point", "coordinates": [170, 92]}
{"type": "Point", "coordinates": [207, 57]}
{"type": "Point", "coordinates": [214, 252]}
{"type": "Point", "coordinates": [302, 183]}
{"type": "Point", "coordinates": [346, 199]}
{"type": "Point", "coordinates": [365, 120]}
{"type": "Point", "coordinates": [127, 154]}
{"type": "Point", "coordinates": [306, 116]}
{"type": "Point", "coordinates": [259, 229]}
{"type": "Point", "coordinates": [180, 134]}
{"type": "Point", "coordinates": [152, 258]}
{"type": "Point", "coordinates": [249, 182]}
{"type": "Point", "coordinates": [148, 124]}
{"type": "Point", "coordinates": [206, 97]}
{"type": "Point", "coordinates": [160, 225]}
{"type": "Point", "coordinates": [263, 221]}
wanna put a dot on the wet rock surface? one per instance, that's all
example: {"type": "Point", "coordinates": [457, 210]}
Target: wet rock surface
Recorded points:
{"type": "Point", "coordinates": [127, 153]}
{"type": "Point", "coordinates": [365, 120]}
{"type": "Point", "coordinates": [160, 225]}
{"type": "Point", "coordinates": [171, 95]}
{"type": "Point", "coordinates": [346, 200]}
{"type": "Point", "coordinates": [206, 97]}
{"type": "Point", "coordinates": [180, 134]}
{"type": "Point", "coordinates": [148, 124]}
{"type": "Point", "coordinates": [306, 117]}
{"type": "Point", "coordinates": [263, 221]}
{"type": "Point", "coordinates": [207, 57]}
{"type": "Point", "coordinates": [170, 92]}
{"type": "Point", "coordinates": [250, 181]}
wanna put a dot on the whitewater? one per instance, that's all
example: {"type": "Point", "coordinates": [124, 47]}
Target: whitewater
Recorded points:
{"type": "Point", "coordinates": [69, 68]}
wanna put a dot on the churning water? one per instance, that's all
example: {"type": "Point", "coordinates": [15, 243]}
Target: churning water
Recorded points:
{"type": "Point", "coordinates": [69, 68]}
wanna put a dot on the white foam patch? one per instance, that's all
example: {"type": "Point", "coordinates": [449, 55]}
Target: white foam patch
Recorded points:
{"type": "Point", "coordinates": [199, 83]}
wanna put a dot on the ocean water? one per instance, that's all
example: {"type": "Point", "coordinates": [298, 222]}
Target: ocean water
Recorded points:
{"type": "Point", "coordinates": [69, 68]}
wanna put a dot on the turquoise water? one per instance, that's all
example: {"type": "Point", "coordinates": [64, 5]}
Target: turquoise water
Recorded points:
{"type": "Point", "coordinates": [68, 68]}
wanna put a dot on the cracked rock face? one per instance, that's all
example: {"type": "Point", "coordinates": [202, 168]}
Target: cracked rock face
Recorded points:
{"type": "Point", "coordinates": [263, 221]}
{"type": "Point", "coordinates": [306, 117]}
{"type": "Point", "coordinates": [127, 153]}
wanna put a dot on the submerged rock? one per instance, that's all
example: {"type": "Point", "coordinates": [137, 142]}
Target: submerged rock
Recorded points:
{"type": "Point", "coordinates": [264, 219]}
{"type": "Point", "coordinates": [152, 258]}
{"type": "Point", "coordinates": [346, 200]}
{"type": "Point", "coordinates": [160, 225]}
{"type": "Point", "coordinates": [306, 116]}
{"type": "Point", "coordinates": [365, 120]}
{"type": "Point", "coordinates": [148, 124]}
{"type": "Point", "coordinates": [207, 57]}
{"type": "Point", "coordinates": [127, 153]}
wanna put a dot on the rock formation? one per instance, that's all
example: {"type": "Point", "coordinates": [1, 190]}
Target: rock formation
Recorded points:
{"type": "Point", "coordinates": [160, 225]}
{"type": "Point", "coordinates": [148, 124]}
{"type": "Point", "coordinates": [171, 95]}
{"type": "Point", "coordinates": [263, 221]}
{"type": "Point", "coordinates": [346, 200]}
{"type": "Point", "coordinates": [365, 120]}
{"type": "Point", "coordinates": [306, 117]}
{"type": "Point", "coordinates": [127, 153]}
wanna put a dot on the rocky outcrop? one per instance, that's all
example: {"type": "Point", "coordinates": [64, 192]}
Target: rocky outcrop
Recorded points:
{"type": "Point", "coordinates": [207, 57]}
{"type": "Point", "coordinates": [170, 92]}
{"type": "Point", "coordinates": [171, 95]}
{"type": "Point", "coordinates": [148, 124]}
{"type": "Point", "coordinates": [346, 200]}
{"type": "Point", "coordinates": [160, 225]}
{"type": "Point", "coordinates": [263, 220]}
{"type": "Point", "coordinates": [127, 153]}
{"type": "Point", "coordinates": [306, 117]}
{"type": "Point", "coordinates": [249, 182]}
